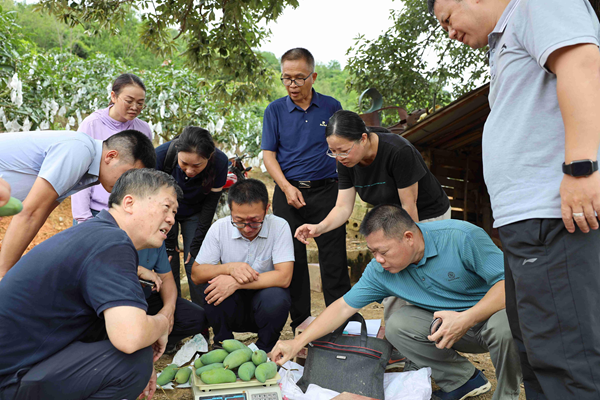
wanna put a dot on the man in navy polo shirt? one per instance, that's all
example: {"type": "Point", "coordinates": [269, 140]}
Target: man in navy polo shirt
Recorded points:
{"type": "Point", "coordinates": [185, 318]}
{"type": "Point", "coordinates": [294, 153]}
{"type": "Point", "coordinates": [447, 269]}
{"type": "Point", "coordinates": [70, 289]}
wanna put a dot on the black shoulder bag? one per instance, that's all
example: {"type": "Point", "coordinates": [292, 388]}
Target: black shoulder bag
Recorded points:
{"type": "Point", "coordinates": [345, 363]}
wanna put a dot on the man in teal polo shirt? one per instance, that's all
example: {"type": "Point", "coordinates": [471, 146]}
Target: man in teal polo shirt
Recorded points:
{"type": "Point", "coordinates": [446, 269]}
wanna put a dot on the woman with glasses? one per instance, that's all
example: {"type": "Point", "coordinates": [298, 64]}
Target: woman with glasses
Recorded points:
{"type": "Point", "coordinates": [200, 169]}
{"type": "Point", "coordinates": [127, 100]}
{"type": "Point", "coordinates": [383, 168]}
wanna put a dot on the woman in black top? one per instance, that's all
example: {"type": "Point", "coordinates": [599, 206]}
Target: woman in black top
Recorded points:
{"type": "Point", "coordinates": [200, 169]}
{"type": "Point", "coordinates": [383, 168]}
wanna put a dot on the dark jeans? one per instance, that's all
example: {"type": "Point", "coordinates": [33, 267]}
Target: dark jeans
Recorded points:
{"type": "Point", "coordinates": [85, 371]}
{"type": "Point", "coordinates": [189, 320]}
{"type": "Point", "coordinates": [552, 303]}
{"type": "Point", "coordinates": [188, 230]}
{"type": "Point", "coordinates": [332, 249]}
{"type": "Point", "coordinates": [263, 311]}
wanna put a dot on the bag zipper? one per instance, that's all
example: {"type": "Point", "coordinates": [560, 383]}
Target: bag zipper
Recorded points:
{"type": "Point", "coordinates": [346, 350]}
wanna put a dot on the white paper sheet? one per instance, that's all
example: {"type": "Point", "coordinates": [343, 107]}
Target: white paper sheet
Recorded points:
{"type": "Point", "coordinates": [373, 325]}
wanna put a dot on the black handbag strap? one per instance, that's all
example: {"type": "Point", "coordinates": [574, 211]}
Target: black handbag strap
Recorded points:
{"type": "Point", "coordinates": [363, 330]}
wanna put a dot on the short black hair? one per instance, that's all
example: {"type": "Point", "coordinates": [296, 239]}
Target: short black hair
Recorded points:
{"type": "Point", "coordinates": [142, 182]}
{"type": "Point", "coordinates": [299, 53]}
{"type": "Point", "coordinates": [430, 6]}
{"type": "Point", "coordinates": [391, 218]}
{"type": "Point", "coordinates": [133, 146]}
{"type": "Point", "coordinates": [248, 191]}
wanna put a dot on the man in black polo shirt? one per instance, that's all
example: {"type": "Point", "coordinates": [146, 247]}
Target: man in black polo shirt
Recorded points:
{"type": "Point", "coordinates": [68, 289]}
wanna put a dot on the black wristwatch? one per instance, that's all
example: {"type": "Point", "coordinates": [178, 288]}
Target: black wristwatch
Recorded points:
{"type": "Point", "coordinates": [580, 168]}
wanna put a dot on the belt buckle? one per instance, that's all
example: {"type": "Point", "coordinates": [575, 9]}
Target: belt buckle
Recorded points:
{"type": "Point", "coordinates": [304, 184]}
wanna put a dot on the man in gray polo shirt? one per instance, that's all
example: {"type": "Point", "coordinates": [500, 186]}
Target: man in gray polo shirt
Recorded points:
{"type": "Point", "coordinates": [246, 264]}
{"type": "Point", "coordinates": [544, 99]}
{"type": "Point", "coordinates": [44, 168]}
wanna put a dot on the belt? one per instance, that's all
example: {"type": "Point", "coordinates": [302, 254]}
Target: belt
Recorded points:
{"type": "Point", "coordinates": [312, 184]}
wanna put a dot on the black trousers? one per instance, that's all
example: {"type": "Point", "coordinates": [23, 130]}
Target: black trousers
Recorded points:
{"type": "Point", "coordinates": [188, 230]}
{"type": "Point", "coordinates": [263, 311]}
{"type": "Point", "coordinates": [85, 371]}
{"type": "Point", "coordinates": [553, 303]}
{"type": "Point", "coordinates": [332, 249]}
{"type": "Point", "coordinates": [189, 319]}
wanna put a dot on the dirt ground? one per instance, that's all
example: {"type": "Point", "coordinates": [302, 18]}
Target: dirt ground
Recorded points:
{"type": "Point", "coordinates": [61, 219]}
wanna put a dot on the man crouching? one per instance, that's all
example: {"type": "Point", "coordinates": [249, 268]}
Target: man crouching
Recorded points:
{"type": "Point", "coordinates": [66, 290]}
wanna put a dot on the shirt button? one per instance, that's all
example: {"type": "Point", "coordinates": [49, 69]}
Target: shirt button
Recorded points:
{"type": "Point", "coordinates": [423, 278]}
{"type": "Point", "coordinates": [306, 120]}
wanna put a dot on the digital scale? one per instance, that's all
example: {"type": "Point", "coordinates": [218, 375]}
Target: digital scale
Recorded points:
{"type": "Point", "coordinates": [252, 390]}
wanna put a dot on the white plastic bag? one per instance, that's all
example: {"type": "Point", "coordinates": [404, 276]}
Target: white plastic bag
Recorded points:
{"type": "Point", "coordinates": [413, 385]}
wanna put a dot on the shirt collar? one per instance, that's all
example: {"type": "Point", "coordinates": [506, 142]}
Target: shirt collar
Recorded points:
{"type": "Point", "coordinates": [95, 165]}
{"type": "Point", "coordinates": [316, 100]}
{"type": "Point", "coordinates": [508, 12]}
{"type": "Point", "coordinates": [105, 215]}
{"type": "Point", "coordinates": [430, 247]}
{"type": "Point", "coordinates": [263, 233]}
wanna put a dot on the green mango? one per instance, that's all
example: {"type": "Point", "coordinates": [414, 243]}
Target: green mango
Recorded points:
{"type": "Point", "coordinates": [14, 206]}
{"type": "Point", "coordinates": [198, 363]}
{"type": "Point", "coordinates": [266, 371]}
{"type": "Point", "coordinates": [218, 375]}
{"type": "Point", "coordinates": [259, 357]}
{"type": "Point", "coordinates": [208, 368]}
{"type": "Point", "coordinates": [215, 356]}
{"type": "Point", "coordinates": [167, 375]}
{"type": "Point", "coordinates": [232, 344]}
{"type": "Point", "coordinates": [237, 358]}
{"type": "Point", "coordinates": [246, 371]}
{"type": "Point", "coordinates": [183, 375]}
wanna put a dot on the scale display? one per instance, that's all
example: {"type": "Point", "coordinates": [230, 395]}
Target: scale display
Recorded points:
{"type": "Point", "coordinates": [241, 396]}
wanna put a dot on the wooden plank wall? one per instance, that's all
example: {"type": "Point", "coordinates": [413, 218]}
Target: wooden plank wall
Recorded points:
{"type": "Point", "coordinates": [461, 176]}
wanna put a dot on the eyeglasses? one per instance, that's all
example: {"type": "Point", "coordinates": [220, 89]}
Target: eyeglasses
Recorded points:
{"type": "Point", "coordinates": [298, 81]}
{"type": "Point", "coordinates": [252, 225]}
{"type": "Point", "coordinates": [340, 155]}
{"type": "Point", "coordinates": [131, 104]}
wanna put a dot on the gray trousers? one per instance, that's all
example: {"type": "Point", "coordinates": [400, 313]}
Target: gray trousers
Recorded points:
{"type": "Point", "coordinates": [553, 304]}
{"type": "Point", "coordinates": [408, 328]}
{"type": "Point", "coordinates": [392, 304]}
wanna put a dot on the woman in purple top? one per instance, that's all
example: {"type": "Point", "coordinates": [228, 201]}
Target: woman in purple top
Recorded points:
{"type": "Point", "coordinates": [126, 103]}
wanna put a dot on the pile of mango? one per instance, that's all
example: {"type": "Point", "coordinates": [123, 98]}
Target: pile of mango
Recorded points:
{"type": "Point", "coordinates": [180, 375]}
{"type": "Point", "coordinates": [218, 365]}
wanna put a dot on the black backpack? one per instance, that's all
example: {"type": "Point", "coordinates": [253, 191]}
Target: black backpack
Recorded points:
{"type": "Point", "coordinates": [171, 157]}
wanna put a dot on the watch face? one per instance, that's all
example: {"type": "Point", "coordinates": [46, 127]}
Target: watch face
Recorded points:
{"type": "Point", "coordinates": [582, 168]}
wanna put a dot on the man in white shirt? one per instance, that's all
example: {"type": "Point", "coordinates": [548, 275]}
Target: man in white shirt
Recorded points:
{"type": "Point", "coordinates": [246, 264]}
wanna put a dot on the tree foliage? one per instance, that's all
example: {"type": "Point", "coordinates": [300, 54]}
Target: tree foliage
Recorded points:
{"type": "Point", "coordinates": [219, 36]}
{"type": "Point", "coordinates": [414, 60]}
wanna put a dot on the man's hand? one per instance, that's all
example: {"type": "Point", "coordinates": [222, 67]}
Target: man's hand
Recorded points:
{"type": "Point", "coordinates": [294, 196]}
{"type": "Point", "coordinates": [169, 312]}
{"type": "Point", "coordinates": [149, 390]}
{"type": "Point", "coordinates": [158, 347]}
{"type": "Point", "coordinates": [242, 272]}
{"type": "Point", "coordinates": [283, 351]}
{"type": "Point", "coordinates": [580, 195]}
{"type": "Point", "coordinates": [4, 192]}
{"type": "Point", "coordinates": [149, 275]}
{"type": "Point", "coordinates": [220, 288]}
{"type": "Point", "coordinates": [307, 231]}
{"type": "Point", "coordinates": [453, 328]}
